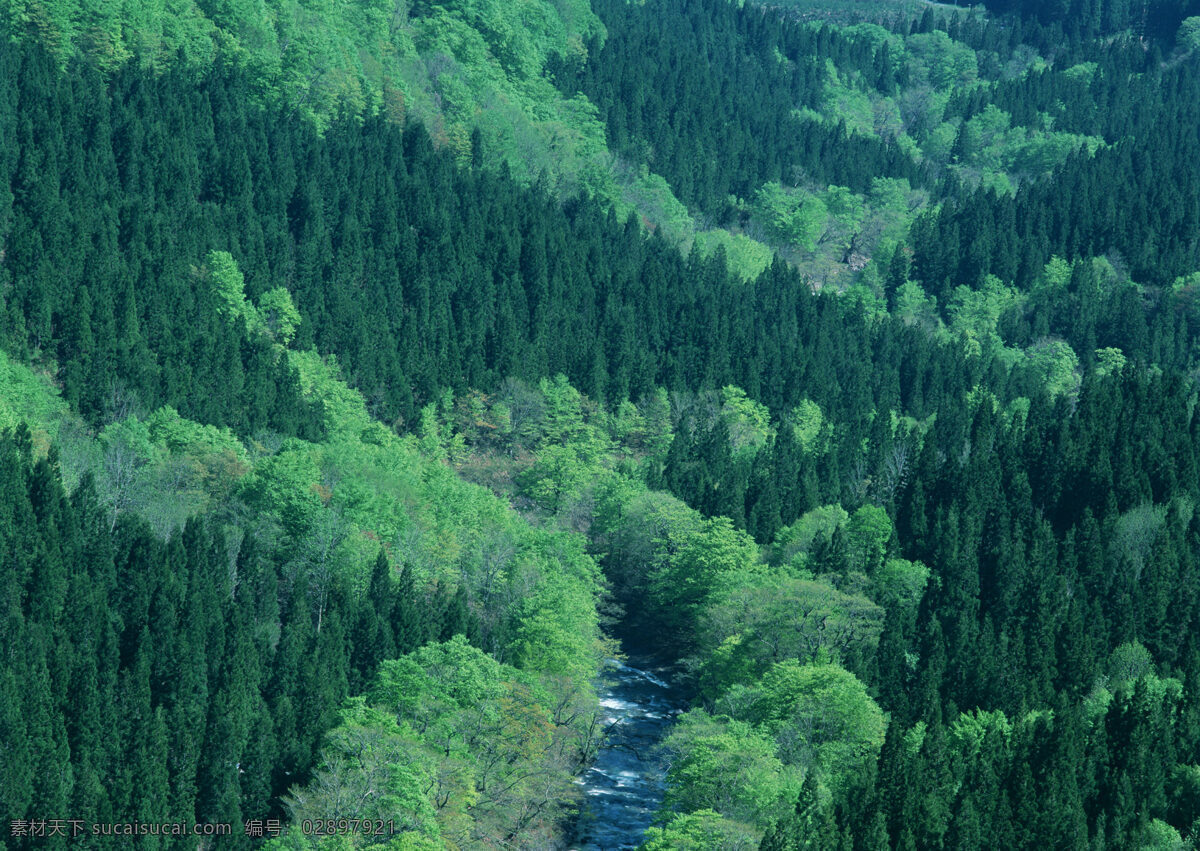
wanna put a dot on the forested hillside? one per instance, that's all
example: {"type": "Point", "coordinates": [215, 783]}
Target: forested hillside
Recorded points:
{"type": "Point", "coordinates": [369, 372]}
{"type": "Point", "coordinates": [1155, 19]}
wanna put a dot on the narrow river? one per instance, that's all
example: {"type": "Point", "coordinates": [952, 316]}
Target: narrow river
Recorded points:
{"type": "Point", "coordinates": [624, 787]}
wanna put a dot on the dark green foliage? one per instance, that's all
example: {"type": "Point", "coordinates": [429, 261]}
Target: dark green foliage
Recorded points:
{"type": "Point", "coordinates": [379, 237]}
{"type": "Point", "coordinates": [1156, 19]}
{"type": "Point", "coordinates": [1043, 687]}
{"type": "Point", "coordinates": [703, 92]}
{"type": "Point", "coordinates": [811, 826]}
{"type": "Point", "coordinates": [138, 685]}
{"type": "Point", "coordinates": [1138, 197]}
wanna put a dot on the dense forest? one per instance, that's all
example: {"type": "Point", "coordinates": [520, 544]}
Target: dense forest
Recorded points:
{"type": "Point", "coordinates": [1151, 18]}
{"type": "Point", "coordinates": [370, 375]}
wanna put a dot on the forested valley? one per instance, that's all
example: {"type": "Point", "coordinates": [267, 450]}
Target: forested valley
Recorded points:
{"type": "Point", "coordinates": [373, 373]}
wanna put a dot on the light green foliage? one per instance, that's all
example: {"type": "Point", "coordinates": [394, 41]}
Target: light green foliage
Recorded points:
{"type": "Point", "coordinates": [889, 122]}
{"type": "Point", "coordinates": [728, 665]}
{"type": "Point", "coordinates": [1017, 411]}
{"type": "Point", "coordinates": [1055, 276]}
{"type": "Point", "coordinates": [436, 680]}
{"type": "Point", "coordinates": [1056, 365]}
{"type": "Point", "coordinates": [26, 397]}
{"type": "Point", "coordinates": [758, 619]}
{"type": "Point", "coordinates": [564, 414]}
{"type": "Point", "coordinates": [1131, 666]}
{"type": "Point", "coordinates": [454, 66]}
{"type": "Point", "coordinates": [1109, 361]}
{"type": "Point", "coordinates": [892, 204]}
{"type": "Point", "coordinates": [795, 217]}
{"type": "Point", "coordinates": [557, 475]}
{"type": "Point", "coordinates": [479, 745]}
{"type": "Point", "coordinates": [820, 715]}
{"type": "Point", "coordinates": [645, 426]}
{"type": "Point", "coordinates": [794, 543]}
{"type": "Point", "coordinates": [554, 414]}
{"type": "Point", "coordinates": [971, 729]}
{"type": "Point", "coordinates": [902, 425]}
{"type": "Point", "coordinates": [944, 62]}
{"type": "Point", "coordinates": [975, 314]}
{"type": "Point", "coordinates": [845, 217]}
{"type": "Point", "coordinates": [940, 142]}
{"type": "Point", "coordinates": [748, 421]}
{"type": "Point", "coordinates": [628, 426]}
{"type": "Point", "coordinates": [1129, 662]}
{"type": "Point", "coordinates": [807, 424]}
{"type": "Point", "coordinates": [476, 422]}
{"type": "Point", "coordinates": [1014, 413]}
{"type": "Point", "coordinates": [132, 435]}
{"type": "Point", "coordinates": [1157, 835]}
{"type": "Point", "coordinates": [691, 563]}
{"type": "Point", "coordinates": [1083, 72]}
{"type": "Point", "coordinates": [651, 196]}
{"type": "Point", "coordinates": [988, 149]}
{"type": "Point", "coordinates": [1023, 61]}
{"type": "Point", "coordinates": [437, 437]}
{"type": "Point", "coordinates": [747, 258]}
{"type": "Point", "coordinates": [990, 152]}
{"type": "Point", "coordinates": [1163, 689]}
{"type": "Point", "coordinates": [171, 431]}
{"type": "Point", "coordinates": [656, 408]}
{"type": "Point", "coordinates": [998, 182]}
{"type": "Point", "coordinates": [1106, 273]}
{"type": "Point", "coordinates": [806, 113]}
{"type": "Point", "coordinates": [726, 766]}
{"type": "Point", "coordinates": [1188, 36]}
{"type": "Point", "coordinates": [290, 484]}
{"type": "Point", "coordinates": [867, 536]}
{"type": "Point", "coordinates": [502, 419]}
{"type": "Point", "coordinates": [865, 291]}
{"type": "Point", "coordinates": [914, 738]}
{"type": "Point", "coordinates": [164, 468]}
{"type": "Point", "coordinates": [909, 147]}
{"type": "Point", "coordinates": [345, 412]}
{"type": "Point", "coordinates": [980, 397]}
{"type": "Point", "coordinates": [129, 456]}
{"type": "Point", "coordinates": [195, 468]}
{"type": "Point", "coordinates": [230, 286]}
{"type": "Point", "coordinates": [135, 473]}
{"type": "Point", "coordinates": [640, 523]}
{"type": "Point", "coordinates": [876, 36]}
{"type": "Point", "coordinates": [900, 583]}
{"type": "Point", "coordinates": [279, 314]}
{"type": "Point", "coordinates": [703, 830]}
{"type": "Point", "coordinates": [366, 485]}
{"type": "Point", "coordinates": [915, 307]}
{"type": "Point", "coordinates": [373, 769]}
{"type": "Point", "coordinates": [1185, 283]}
{"type": "Point", "coordinates": [847, 99]}
{"type": "Point", "coordinates": [477, 736]}
{"type": "Point", "coordinates": [556, 629]}
{"type": "Point", "coordinates": [848, 103]}
{"type": "Point", "coordinates": [1097, 701]}
{"type": "Point", "coordinates": [571, 446]}
{"type": "Point", "coordinates": [984, 133]}
{"type": "Point", "coordinates": [459, 533]}
{"type": "Point", "coordinates": [516, 33]}
{"type": "Point", "coordinates": [1041, 152]}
